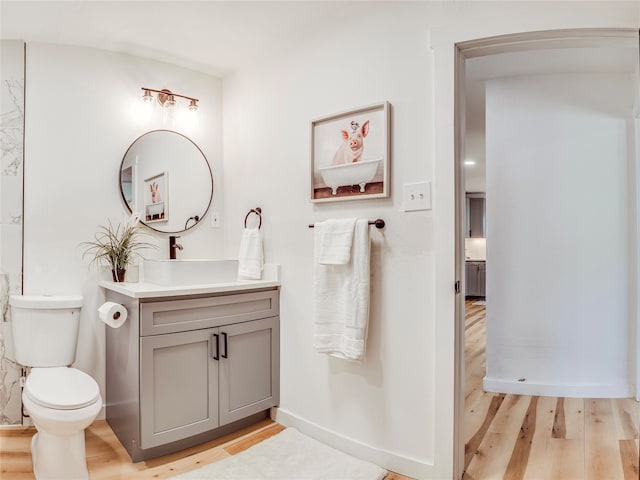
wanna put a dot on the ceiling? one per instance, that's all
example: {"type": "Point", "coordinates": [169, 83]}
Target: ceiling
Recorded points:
{"type": "Point", "coordinates": [214, 37]}
{"type": "Point", "coordinates": [538, 62]}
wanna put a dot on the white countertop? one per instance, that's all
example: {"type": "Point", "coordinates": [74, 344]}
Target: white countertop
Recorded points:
{"type": "Point", "coordinates": [475, 259]}
{"type": "Point", "coordinates": [270, 279]}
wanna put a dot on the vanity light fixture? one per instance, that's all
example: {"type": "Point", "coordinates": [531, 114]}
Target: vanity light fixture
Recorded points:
{"type": "Point", "coordinates": [167, 100]}
{"type": "Point", "coordinates": [469, 162]}
{"type": "Point", "coordinates": [165, 95]}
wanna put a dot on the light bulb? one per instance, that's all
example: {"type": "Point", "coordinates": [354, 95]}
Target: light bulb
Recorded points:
{"type": "Point", "coordinates": [169, 108]}
{"type": "Point", "coordinates": [146, 106]}
{"type": "Point", "coordinates": [190, 117]}
{"type": "Point", "coordinates": [147, 98]}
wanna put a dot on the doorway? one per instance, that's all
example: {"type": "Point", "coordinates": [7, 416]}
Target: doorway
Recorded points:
{"type": "Point", "coordinates": [487, 50]}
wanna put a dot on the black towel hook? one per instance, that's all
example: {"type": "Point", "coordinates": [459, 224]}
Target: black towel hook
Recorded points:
{"type": "Point", "coordinates": [257, 211]}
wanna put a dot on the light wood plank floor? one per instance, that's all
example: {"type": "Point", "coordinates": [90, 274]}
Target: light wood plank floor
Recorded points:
{"type": "Point", "coordinates": [108, 460]}
{"type": "Point", "coordinates": [539, 438]}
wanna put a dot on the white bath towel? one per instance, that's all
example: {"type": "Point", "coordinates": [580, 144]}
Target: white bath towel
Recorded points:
{"type": "Point", "coordinates": [341, 297]}
{"type": "Point", "coordinates": [336, 240]}
{"type": "Point", "coordinates": [250, 260]}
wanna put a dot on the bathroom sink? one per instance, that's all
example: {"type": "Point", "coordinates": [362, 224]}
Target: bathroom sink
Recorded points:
{"type": "Point", "coordinates": [190, 271]}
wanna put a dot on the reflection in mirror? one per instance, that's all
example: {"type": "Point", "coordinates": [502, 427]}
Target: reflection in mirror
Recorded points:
{"type": "Point", "coordinates": [165, 177]}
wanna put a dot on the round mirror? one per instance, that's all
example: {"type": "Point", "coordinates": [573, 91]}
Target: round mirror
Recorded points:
{"type": "Point", "coordinates": [166, 178]}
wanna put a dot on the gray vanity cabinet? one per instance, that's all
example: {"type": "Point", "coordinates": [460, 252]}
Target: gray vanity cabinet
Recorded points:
{"type": "Point", "coordinates": [192, 382]}
{"type": "Point", "coordinates": [184, 370]}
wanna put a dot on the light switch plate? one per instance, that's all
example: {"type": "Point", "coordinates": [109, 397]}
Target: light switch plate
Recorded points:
{"type": "Point", "coordinates": [416, 196]}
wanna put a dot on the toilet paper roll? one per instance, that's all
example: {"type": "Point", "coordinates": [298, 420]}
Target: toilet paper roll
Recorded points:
{"type": "Point", "coordinates": [113, 314]}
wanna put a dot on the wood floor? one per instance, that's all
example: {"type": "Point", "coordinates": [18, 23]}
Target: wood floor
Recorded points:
{"type": "Point", "coordinates": [108, 460]}
{"type": "Point", "coordinates": [539, 438]}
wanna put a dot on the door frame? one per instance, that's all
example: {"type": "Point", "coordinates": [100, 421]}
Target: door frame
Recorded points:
{"type": "Point", "coordinates": [636, 180]}
{"type": "Point", "coordinates": [449, 102]}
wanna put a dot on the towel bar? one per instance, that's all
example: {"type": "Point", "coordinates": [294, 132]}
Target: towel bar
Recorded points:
{"type": "Point", "coordinates": [257, 211]}
{"type": "Point", "coordinates": [378, 222]}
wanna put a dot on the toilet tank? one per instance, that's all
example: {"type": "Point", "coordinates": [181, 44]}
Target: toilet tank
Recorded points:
{"type": "Point", "coordinates": [45, 329]}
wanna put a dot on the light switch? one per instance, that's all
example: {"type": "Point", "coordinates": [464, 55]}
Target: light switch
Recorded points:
{"type": "Point", "coordinates": [416, 196]}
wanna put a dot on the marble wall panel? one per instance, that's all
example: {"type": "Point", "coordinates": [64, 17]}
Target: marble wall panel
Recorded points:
{"type": "Point", "coordinates": [12, 90]}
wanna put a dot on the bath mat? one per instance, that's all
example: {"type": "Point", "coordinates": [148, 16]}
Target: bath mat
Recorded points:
{"type": "Point", "coordinates": [480, 302]}
{"type": "Point", "coordinates": [289, 455]}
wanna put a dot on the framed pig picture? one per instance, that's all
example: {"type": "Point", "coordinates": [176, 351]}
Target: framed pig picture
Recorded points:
{"type": "Point", "coordinates": [350, 154]}
{"type": "Point", "coordinates": [156, 201]}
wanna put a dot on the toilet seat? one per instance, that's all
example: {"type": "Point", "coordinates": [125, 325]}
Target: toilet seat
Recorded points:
{"type": "Point", "coordinates": [61, 388]}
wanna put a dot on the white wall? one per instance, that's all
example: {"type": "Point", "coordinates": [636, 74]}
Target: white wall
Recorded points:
{"type": "Point", "coordinates": [636, 282]}
{"type": "Point", "coordinates": [474, 175]}
{"type": "Point", "coordinates": [558, 252]}
{"type": "Point", "coordinates": [78, 128]}
{"type": "Point", "coordinates": [384, 402]}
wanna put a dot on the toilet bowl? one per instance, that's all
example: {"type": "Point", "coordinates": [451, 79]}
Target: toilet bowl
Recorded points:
{"type": "Point", "coordinates": [61, 402]}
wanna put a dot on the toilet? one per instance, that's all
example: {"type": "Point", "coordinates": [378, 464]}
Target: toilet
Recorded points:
{"type": "Point", "coordinates": [62, 401]}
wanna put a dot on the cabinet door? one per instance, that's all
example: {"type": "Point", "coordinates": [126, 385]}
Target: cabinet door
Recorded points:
{"type": "Point", "coordinates": [471, 279]}
{"type": "Point", "coordinates": [482, 275]}
{"type": "Point", "coordinates": [178, 386]}
{"type": "Point", "coordinates": [476, 216]}
{"type": "Point", "coordinates": [249, 368]}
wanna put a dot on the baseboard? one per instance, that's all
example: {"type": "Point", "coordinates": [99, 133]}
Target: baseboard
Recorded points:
{"type": "Point", "coordinates": [578, 390]}
{"type": "Point", "coordinates": [389, 460]}
{"type": "Point", "coordinates": [102, 414]}
{"type": "Point", "coordinates": [8, 428]}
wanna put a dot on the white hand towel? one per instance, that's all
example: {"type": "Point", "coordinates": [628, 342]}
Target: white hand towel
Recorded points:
{"type": "Point", "coordinates": [337, 237]}
{"type": "Point", "coordinates": [341, 298]}
{"type": "Point", "coordinates": [250, 260]}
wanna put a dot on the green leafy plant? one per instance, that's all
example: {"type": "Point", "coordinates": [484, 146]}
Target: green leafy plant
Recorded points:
{"type": "Point", "coordinates": [117, 246]}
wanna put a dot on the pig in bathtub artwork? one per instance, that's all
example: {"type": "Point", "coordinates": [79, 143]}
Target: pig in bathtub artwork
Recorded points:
{"type": "Point", "coordinates": [350, 151]}
{"type": "Point", "coordinates": [155, 200]}
{"type": "Point", "coordinates": [350, 155]}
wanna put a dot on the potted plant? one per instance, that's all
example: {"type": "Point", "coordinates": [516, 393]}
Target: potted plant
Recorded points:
{"type": "Point", "coordinates": [117, 246]}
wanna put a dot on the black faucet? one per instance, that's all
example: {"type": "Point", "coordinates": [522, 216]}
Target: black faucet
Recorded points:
{"type": "Point", "coordinates": [173, 245]}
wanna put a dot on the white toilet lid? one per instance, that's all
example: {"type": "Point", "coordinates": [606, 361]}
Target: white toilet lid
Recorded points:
{"type": "Point", "coordinates": [61, 388]}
